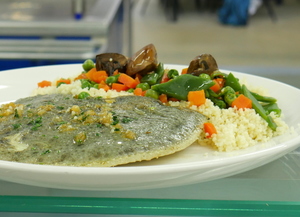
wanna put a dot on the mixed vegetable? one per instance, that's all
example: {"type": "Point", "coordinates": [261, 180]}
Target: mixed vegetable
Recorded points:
{"type": "Point", "coordinates": [143, 75]}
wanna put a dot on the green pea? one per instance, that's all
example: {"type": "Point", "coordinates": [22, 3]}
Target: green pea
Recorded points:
{"type": "Point", "coordinates": [83, 95]}
{"type": "Point", "coordinates": [131, 90]}
{"type": "Point", "coordinates": [152, 93]}
{"type": "Point", "coordinates": [88, 65]}
{"type": "Point", "coordinates": [144, 86]}
{"type": "Point", "coordinates": [85, 83]}
{"type": "Point", "coordinates": [172, 73]}
{"type": "Point", "coordinates": [96, 86]}
{"type": "Point", "coordinates": [112, 79]}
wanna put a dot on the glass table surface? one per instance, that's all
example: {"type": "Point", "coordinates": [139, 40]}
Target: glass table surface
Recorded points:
{"type": "Point", "coordinates": [270, 190]}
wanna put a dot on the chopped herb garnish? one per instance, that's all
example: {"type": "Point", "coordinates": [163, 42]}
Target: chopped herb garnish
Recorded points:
{"type": "Point", "coordinates": [115, 120]}
{"type": "Point", "coordinates": [16, 114]}
{"type": "Point", "coordinates": [36, 126]}
{"type": "Point", "coordinates": [97, 134]}
{"type": "Point", "coordinates": [117, 129]}
{"type": "Point", "coordinates": [38, 120]}
{"type": "Point", "coordinates": [16, 126]}
{"type": "Point", "coordinates": [60, 107]}
{"type": "Point", "coordinates": [49, 103]}
{"type": "Point", "coordinates": [126, 120]}
{"type": "Point", "coordinates": [37, 123]}
{"type": "Point", "coordinates": [46, 152]}
{"type": "Point", "coordinates": [99, 125]}
{"type": "Point", "coordinates": [85, 117]}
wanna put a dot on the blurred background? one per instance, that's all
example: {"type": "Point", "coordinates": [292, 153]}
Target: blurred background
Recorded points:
{"type": "Point", "coordinates": [253, 36]}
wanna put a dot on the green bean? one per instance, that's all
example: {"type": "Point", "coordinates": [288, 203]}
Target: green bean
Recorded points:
{"type": "Point", "coordinates": [233, 82]}
{"type": "Point", "coordinates": [152, 93]}
{"type": "Point", "coordinates": [272, 107]}
{"type": "Point", "coordinates": [172, 73]}
{"type": "Point", "coordinates": [218, 102]}
{"type": "Point", "coordinates": [229, 98]}
{"type": "Point", "coordinates": [88, 65]}
{"type": "Point", "coordinates": [228, 94]}
{"type": "Point", "coordinates": [144, 86]}
{"type": "Point", "coordinates": [211, 93]}
{"type": "Point", "coordinates": [259, 108]}
{"type": "Point", "coordinates": [151, 78]}
{"type": "Point", "coordinates": [160, 72]}
{"type": "Point", "coordinates": [180, 86]}
{"type": "Point", "coordinates": [264, 98]}
{"type": "Point", "coordinates": [205, 76]}
{"type": "Point", "coordinates": [217, 73]}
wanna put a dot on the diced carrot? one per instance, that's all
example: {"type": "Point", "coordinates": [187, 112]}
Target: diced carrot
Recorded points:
{"type": "Point", "coordinates": [90, 73]}
{"type": "Point", "coordinates": [116, 72]}
{"type": "Point", "coordinates": [96, 76]}
{"type": "Point", "coordinates": [62, 80]}
{"type": "Point", "coordinates": [163, 98]}
{"type": "Point", "coordinates": [104, 86]}
{"type": "Point", "coordinates": [127, 80]}
{"type": "Point", "coordinates": [165, 78]}
{"type": "Point", "coordinates": [44, 83]}
{"type": "Point", "coordinates": [137, 80]}
{"type": "Point", "coordinates": [209, 129]}
{"type": "Point", "coordinates": [81, 76]}
{"type": "Point", "coordinates": [197, 97]}
{"type": "Point", "coordinates": [119, 87]}
{"type": "Point", "coordinates": [242, 102]}
{"type": "Point", "coordinates": [138, 91]}
{"type": "Point", "coordinates": [99, 76]}
{"type": "Point", "coordinates": [219, 83]}
{"type": "Point", "coordinates": [139, 76]}
{"type": "Point", "coordinates": [184, 71]}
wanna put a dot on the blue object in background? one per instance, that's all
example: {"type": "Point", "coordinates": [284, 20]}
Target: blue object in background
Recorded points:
{"type": "Point", "coordinates": [234, 12]}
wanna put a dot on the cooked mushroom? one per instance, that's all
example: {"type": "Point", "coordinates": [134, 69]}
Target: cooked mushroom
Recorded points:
{"type": "Point", "coordinates": [143, 61]}
{"type": "Point", "coordinates": [111, 62]}
{"type": "Point", "coordinates": [204, 63]}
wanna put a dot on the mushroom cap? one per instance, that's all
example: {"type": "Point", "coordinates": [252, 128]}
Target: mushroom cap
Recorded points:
{"type": "Point", "coordinates": [204, 63]}
{"type": "Point", "coordinates": [143, 61]}
{"type": "Point", "coordinates": [111, 62]}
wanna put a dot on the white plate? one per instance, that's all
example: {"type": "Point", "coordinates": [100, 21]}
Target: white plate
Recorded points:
{"type": "Point", "coordinates": [193, 165]}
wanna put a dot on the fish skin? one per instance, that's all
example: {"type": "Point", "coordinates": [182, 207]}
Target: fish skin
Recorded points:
{"type": "Point", "coordinates": [61, 130]}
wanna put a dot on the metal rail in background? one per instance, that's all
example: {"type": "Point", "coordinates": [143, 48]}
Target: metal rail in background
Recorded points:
{"type": "Point", "coordinates": [61, 30]}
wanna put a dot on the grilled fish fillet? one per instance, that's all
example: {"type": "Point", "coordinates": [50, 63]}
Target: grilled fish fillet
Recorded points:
{"type": "Point", "coordinates": [62, 130]}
